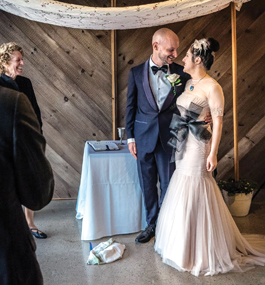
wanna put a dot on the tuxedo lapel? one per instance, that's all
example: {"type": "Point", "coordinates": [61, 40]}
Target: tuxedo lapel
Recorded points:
{"type": "Point", "coordinates": [147, 88]}
{"type": "Point", "coordinates": [168, 100]}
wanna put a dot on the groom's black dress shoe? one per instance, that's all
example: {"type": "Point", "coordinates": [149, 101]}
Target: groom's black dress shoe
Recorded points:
{"type": "Point", "coordinates": [145, 235]}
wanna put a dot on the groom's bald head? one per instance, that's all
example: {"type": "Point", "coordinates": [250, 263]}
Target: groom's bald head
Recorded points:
{"type": "Point", "coordinates": [165, 44]}
{"type": "Point", "coordinates": [162, 34]}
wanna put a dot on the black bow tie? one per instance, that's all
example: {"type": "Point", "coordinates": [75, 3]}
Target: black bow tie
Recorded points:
{"type": "Point", "coordinates": [155, 68]}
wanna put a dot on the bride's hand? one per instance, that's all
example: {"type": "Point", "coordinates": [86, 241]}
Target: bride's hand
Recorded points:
{"type": "Point", "coordinates": [211, 162]}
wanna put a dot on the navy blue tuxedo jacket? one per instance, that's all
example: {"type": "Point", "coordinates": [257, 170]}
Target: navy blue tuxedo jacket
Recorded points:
{"type": "Point", "coordinates": [144, 121]}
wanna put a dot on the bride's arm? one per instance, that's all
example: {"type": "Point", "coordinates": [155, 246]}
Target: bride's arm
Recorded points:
{"type": "Point", "coordinates": [216, 103]}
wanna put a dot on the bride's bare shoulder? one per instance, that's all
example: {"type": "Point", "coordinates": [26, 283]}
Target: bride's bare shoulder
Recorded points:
{"type": "Point", "coordinates": [213, 87]}
{"type": "Point", "coordinates": [213, 84]}
{"type": "Point", "coordinates": [212, 81]}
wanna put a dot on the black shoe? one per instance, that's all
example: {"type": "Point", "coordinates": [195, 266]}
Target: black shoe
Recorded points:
{"type": "Point", "coordinates": [146, 235]}
{"type": "Point", "coordinates": [37, 233]}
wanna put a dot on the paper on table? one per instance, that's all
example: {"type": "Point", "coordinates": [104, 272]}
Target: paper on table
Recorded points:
{"type": "Point", "coordinates": [103, 145]}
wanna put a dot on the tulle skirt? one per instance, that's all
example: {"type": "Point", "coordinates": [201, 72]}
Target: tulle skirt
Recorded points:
{"type": "Point", "coordinates": [195, 231]}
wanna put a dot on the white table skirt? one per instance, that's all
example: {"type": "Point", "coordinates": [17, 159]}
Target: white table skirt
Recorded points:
{"type": "Point", "coordinates": [110, 200]}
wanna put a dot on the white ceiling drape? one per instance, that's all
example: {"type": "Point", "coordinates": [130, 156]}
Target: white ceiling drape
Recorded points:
{"type": "Point", "coordinates": [112, 18]}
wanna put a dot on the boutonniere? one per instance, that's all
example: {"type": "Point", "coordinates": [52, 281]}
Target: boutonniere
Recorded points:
{"type": "Point", "coordinates": [174, 80]}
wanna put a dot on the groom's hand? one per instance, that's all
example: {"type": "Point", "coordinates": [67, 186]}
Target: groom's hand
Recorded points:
{"type": "Point", "coordinates": [208, 119]}
{"type": "Point", "coordinates": [132, 149]}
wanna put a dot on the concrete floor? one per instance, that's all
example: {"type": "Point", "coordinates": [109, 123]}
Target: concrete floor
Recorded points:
{"type": "Point", "coordinates": [62, 256]}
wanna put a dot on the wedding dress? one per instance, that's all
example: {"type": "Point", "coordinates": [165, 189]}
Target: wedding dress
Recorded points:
{"type": "Point", "coordinates": [195, 231]}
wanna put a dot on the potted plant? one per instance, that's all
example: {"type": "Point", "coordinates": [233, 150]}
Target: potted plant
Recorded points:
{"type": "Point", "coordinates": [238, 195]}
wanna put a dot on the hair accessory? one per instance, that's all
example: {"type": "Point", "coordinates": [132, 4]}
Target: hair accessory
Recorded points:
{"type": "Point", "coordinates": [201, 44]}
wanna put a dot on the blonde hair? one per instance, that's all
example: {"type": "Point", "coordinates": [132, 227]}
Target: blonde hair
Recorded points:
{"type": "Point", "coordinates": [6, 51]}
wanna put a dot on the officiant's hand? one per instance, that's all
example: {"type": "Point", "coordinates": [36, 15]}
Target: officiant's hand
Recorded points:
{"type": "Point", "coordinates": [132, 149]}
{"type": "Point", "coordinates": [208, 119]}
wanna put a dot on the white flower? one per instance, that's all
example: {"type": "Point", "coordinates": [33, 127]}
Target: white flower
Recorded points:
{"type": "Point", "coordinates": [172, 78]}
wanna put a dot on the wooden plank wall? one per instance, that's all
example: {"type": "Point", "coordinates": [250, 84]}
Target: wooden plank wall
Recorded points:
{"type": "Point", "coordinates": [71, 74]}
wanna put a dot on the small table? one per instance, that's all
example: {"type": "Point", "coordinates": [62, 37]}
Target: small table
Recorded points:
{"type": "Point", "coordinates": [110, 199]}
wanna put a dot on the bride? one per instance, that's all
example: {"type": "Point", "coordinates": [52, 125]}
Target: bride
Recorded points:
{"type": "Point", "coordinates": [195, 231]}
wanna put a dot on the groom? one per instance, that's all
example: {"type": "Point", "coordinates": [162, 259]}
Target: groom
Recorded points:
{"type": "Point", "coordinates": [151, 101]}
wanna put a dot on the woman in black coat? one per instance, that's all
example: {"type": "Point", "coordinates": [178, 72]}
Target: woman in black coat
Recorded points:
{"type": "Point", "coordinates": [11, 66]}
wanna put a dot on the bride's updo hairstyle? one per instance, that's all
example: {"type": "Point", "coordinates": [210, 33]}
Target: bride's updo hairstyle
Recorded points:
{"type": "Point", "coordinates": [205, 49]}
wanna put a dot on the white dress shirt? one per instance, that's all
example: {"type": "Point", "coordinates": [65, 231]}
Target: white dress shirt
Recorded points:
{"type": "Point", "coordinates": [159, 84]}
